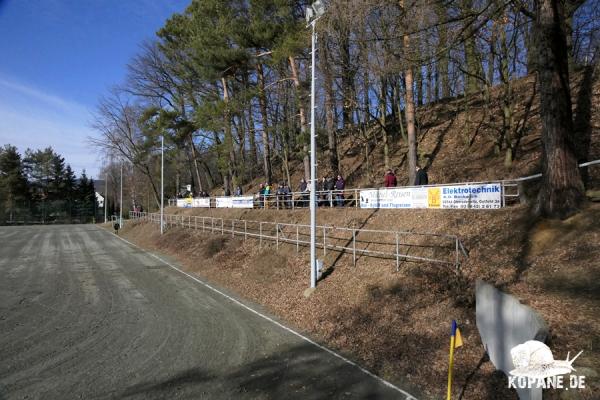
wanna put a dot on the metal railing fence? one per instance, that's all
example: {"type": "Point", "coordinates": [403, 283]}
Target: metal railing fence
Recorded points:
{"type": "Point", "coordinates": [394, 245]}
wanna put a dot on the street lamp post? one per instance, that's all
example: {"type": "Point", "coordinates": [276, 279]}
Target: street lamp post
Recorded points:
{"type": "Point", "coordinates": [121, 200]}
{"type": "Point", "coordinates": [162, 172]}
{"type": "Point", "coordinates": [105, 195]}
{"type": "Point", "coordinates": [313, 13]}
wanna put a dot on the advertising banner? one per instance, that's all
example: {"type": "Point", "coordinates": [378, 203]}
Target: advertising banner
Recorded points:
{"type": "Point", "coordinates": [203, 202]}
{"type": "Point", "coordinates": [394, 198]}
{"type": "Point", "coordinates": [242, 202]}
{"type": "Point", "coordinates": [478, 196]}
{"type": "Point", "coordinates": [184, 203]}
{"type": "Point", "coordinates": [483, 196]}
{"type": "Point", "coordinates": [235, 202]}
{"type": "Point", "coordinates": [223, 202]}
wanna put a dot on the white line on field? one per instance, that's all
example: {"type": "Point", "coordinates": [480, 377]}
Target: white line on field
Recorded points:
{"type": "Point", "coordinates": [290, 330]}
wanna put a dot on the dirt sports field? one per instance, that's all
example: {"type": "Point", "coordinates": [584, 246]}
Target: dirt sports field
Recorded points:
{"type": "Point", "coordinates": [85, 315]}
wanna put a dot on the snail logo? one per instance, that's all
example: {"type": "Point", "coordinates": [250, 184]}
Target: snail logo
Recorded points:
{"type": "Point", "coordinates": [535, 366]}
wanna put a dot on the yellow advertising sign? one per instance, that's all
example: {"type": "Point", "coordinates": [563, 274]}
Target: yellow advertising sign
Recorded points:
{"type": "Point", "coordinates": [434, 197]}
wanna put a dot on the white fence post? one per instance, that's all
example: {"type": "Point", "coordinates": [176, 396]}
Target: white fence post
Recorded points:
{"type": "Point", "coordinates": [324, 241]}
{"type": "Point", "coordinates": [397, 254]}
{"type": "Point", "coordinates": [354, 247]}
{"type": "Point", "coordinates": [457, 261]}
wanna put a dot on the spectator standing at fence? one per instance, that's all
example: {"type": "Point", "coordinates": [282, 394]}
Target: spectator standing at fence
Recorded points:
{"type": "Point", "coordinates": [260, 195]}
{"type": "Point", "coordinates": [287, 192]}
{"type": "Point", "coordinates": [280, 196]}
{"type": "Point", "coordinates": [390, 179]}
{"type": "Point", "coordinates": [421, 177]}
{"type": "Point", "coordinates": [238, 191]}
{"type": "Point", "coordinates": [303, 189]}
{"type": "Point", "coordinates": [267, 193]}
{"type": "Point", "coordinates": [320, 195]}
{"type": "Point", "coordinates": [329, 187]}
{"type": "Point", "coordinates": [283, 192]}
{"type": "Point", "coordinates": [340, 185]}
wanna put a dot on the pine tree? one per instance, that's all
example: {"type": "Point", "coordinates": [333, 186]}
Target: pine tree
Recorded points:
{"type": "Point", "coordinates": [562, 187]}
{"type": "Point", "coordinates": [56, 184]}
{"type": "Point", "coordinates": [13, 184]}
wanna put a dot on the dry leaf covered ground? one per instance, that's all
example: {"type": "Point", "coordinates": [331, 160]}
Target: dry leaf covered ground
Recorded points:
{"type": "Point", "coordinates": [397, 323]}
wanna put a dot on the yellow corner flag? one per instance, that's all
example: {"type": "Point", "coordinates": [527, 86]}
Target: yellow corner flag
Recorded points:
{"type": "Point", "coordinates": [457, 338]}
{"type": "Point", "coordinates": [455, 342]}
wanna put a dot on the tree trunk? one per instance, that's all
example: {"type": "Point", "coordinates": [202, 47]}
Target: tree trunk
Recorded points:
{"type": "Point", "coordinates": [262, 100]}
{"type": "Point", "coordinates": [491, 55]}
{"type": "Point", "coordinates": [430, 84]}
{"type": "Point", "coordinates": [303, 125]}
{"type": "Point", "coordinates": [334, 162]}
{"type": "Point", "coordinates": [410, 109]}
{"type": "Point", "coordinates": [419, 77]}
{"type": "Point", "coordinates": [444, 56]}
{"type": "Point", "coordinates": [195, 161]}
{"type": "Point", "coordinates": [507, 102]}
{"type": "Point", "coordinates": [254, 153]}
{"type": "Point", "coordinates": [250, 128]}
{"type": "Point", "coordinates": [472, 63]}
{"type": "Point", "coordinates": [382, 121]}
{"type": "Point", "coordinates": [562, 191]}
{"type": "Point", "coordinates": [231, 181]}
{"type": "Point", "coordinates": [347, 78]}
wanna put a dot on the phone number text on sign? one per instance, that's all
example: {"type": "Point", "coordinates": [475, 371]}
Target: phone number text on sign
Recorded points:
{"type": "Point", "coordinates": [487, 196]}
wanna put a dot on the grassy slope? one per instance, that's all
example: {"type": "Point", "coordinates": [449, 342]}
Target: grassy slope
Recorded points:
{"type": "Point", "coordinates": [396, 323]}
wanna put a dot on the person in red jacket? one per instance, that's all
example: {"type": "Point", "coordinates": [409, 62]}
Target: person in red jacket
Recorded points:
{"type": "Point", "coordinates": [390, 179]}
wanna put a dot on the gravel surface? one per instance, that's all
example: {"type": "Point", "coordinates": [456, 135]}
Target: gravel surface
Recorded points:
{"type": "Point", "coordinates": [84, 315]}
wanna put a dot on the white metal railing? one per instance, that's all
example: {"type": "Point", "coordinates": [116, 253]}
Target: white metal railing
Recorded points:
{"type": "Point", "coordinates": [351, 197]}
{"type": "Point", "coordinates": [395, 245]}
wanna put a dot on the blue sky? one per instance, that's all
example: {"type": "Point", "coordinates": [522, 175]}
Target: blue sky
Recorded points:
{"type": "Point", "coordinates": [58, 58]}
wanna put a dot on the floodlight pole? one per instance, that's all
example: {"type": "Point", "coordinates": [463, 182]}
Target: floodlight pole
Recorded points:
{"type": "Point", "coordinates": [105, 195]}
{"type": "Point", "coordinates": [121, 200]}
{"type": "Point", "coordinates": [313, 167]}
{"type": "Point", "coordinates": [162, 174]}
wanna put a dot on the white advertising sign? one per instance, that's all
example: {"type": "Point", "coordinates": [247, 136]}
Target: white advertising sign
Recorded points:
{"type": "Point", "coordinates": [242, 202]}
{"type": "Point", "coordinates": [223, 202]}
{"type": "Point", "coordinates": [394, 198]}
{"type": "Point", "coordinates": [203, 202]}
{"type": "Point", "coordinates": [235, 202]}
{"type": "Point", "coordinates": [479, 196]}
{"type": "Point", "coordinates": [184, 203]}
{"type": "Point", "coordinates": [484, 196]}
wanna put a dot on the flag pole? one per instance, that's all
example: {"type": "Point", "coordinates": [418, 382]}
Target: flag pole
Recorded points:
{"type": "Point", "coordinates": [451, 360]}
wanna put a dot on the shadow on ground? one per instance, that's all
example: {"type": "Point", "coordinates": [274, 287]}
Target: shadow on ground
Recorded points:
{"type": "Point", "coordinates": [298, 372]}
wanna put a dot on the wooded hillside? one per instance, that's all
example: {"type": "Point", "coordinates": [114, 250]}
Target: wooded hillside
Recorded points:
{"type": "Point", "coordinates": [227, 85]}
